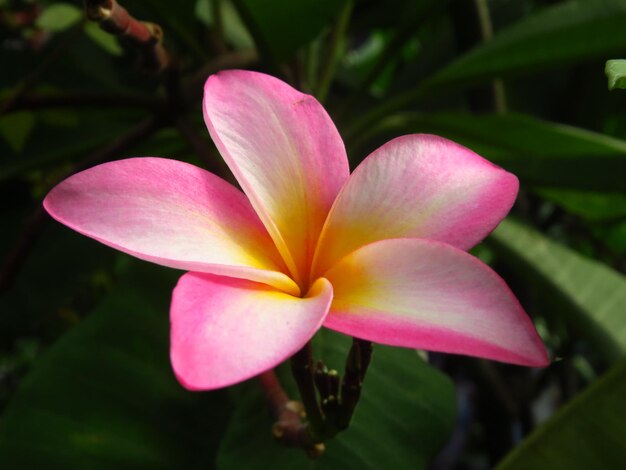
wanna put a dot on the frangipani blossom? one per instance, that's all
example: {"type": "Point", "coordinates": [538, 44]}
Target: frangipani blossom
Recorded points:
{"type": "Point", "coordinates": [379, 254]}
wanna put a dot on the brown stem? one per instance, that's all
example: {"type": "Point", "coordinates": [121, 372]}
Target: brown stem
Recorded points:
{"type": "Point", "coordinates": [274, 393]}
{"type": "Point", "coordinates": [289, 428]}
{"type": "Point", "coordinates": [36, 222]}
{"type": "Point", "coordinates": [146, 37]}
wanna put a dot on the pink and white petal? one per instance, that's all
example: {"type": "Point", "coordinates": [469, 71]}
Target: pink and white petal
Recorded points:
{"type": "Point", "coordinates": [170, 213]}
{"type": "Point", "coordinates": [226, 330]}
{"type": "Point", "coordinates": [428, 295]}
{"type": "Point", "coordinates": [420, 186]}
{"type": "Point", "coordinates": [285, 152]}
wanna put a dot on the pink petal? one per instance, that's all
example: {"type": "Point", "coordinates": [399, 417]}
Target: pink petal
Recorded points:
{"type": "Point", "coordinates": [226, 330]}
{"type": "Point", "coordinates": [285, 152]}
{"type": "Point", "coordinates": [170, 213]}
{"type": "Point", "coordinates": [419, 186]}
{"type": "Point", "coordinates": [428, 295]}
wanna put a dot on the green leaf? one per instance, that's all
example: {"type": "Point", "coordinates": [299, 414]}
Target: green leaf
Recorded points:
{"type": "Point", "coordinates": [587, 433]}
{"type": "Point", "coordinates": [539, 152]}
{"type": "Point", "coordinates": [234, 29]}
{"type": "Point", "coordinates": [405, 414]}
{"type": "Point", "coordinates": [59, 17]}
{"type": "Point", "coordinates": [587, 294]}
{"type": "Point", "coordinates": [563, 34]}
{"type": "Point", "coordinates": [281, 27]}
{"type": "Point", "coordinates": [15, 128]}
{"type": "Point", "coordinates": [105, 40]}
{"type": "Point", "coordinates": [104, 396]}
{"type": "Point", "coordinates": [616, 73]}
{"type": "Point", "coordinates": [590, 205]}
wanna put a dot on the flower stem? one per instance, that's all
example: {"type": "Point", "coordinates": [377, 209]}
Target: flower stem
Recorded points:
{"type": "Point", "coordinates": [146, 37]}
{"type": "Point", "coordinates": [302, 370]}
{"type": "Point", "coordinates": [338, 402]}
{"type": "Point", "coordinates": [289, 428]}
{"type": "Point", "coordinates": [358, 360]}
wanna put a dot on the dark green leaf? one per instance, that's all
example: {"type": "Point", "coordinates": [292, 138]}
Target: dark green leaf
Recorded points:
{"type": "Point", "coordinates": [281, 27]}
{"type": "Point", "coordinates": [586, 433]}
{"type": "Point", "coordinates": [105, 396]}
{"type": "Point", "coordinates": [404, 416]}
{"type": "Point", "coordinates": [569, 32]}
{"type": "Point", "coordinates": [593, 206]}
{"type": "Point", "coordinates": [586, 293]}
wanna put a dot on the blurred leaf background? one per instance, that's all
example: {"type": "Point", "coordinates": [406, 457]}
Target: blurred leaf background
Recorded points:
{"type": "Point", "coordinates": [84, 374]}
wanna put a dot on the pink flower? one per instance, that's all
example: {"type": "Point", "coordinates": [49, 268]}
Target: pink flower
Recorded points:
{"type": "Point", "coordinates": [379, 254]}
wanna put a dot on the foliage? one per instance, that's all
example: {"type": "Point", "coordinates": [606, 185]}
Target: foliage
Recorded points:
{"type": "Point", "coordinates": [84, 373]}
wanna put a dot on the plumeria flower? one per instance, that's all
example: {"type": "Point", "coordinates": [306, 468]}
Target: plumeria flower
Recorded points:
{"type": "Point", "coordinates": [379, 254]}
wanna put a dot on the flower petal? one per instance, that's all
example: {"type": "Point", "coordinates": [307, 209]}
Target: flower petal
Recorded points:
{"type": "Point", "coordinates": [170, 213]}
{"type": "Point", "coordinates": [420, 186]}
{"type": "Point", "coordinates": [227, 330]}
{"type": "Point", "coordinates": [285, 152]}
{"type": "Point", "coordinates": [428, 295]}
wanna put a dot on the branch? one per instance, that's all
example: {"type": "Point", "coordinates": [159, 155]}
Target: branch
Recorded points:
{"type": "Point", "coordinates": [82, 99]}
{"type": "Point", "coordinates": [289, 428]}
{"type": "Point", "coordinates": [33, 77]}
{"type": "Point", "coordinates": [36, 222]}
{"type": "Point", "coordinates": [146, 37]}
